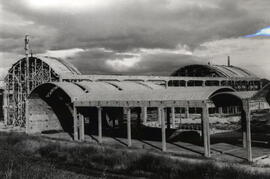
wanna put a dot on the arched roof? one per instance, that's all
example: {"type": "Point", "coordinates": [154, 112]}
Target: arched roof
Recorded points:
{"type": "Point", "coordinates": [238, 94]}
{"type": "Point", "coordinates": [200, 70]}
{"type": "Point", "coordinates": [58, 65]}
{"type": "Point", "coordinates": [70, 89]}
{"type": "Point", "coordinates": [102, 91]}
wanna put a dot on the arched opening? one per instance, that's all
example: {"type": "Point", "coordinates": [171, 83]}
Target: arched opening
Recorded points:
{"type": "Point", "coordinates": [49, 109]}
{"type": "Point", "coordinates": [229, 123]}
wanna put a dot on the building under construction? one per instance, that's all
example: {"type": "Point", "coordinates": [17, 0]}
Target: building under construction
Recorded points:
{"type": "Point", "coordinates": [45, 93]}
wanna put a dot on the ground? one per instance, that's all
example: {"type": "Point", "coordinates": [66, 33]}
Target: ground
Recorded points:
{"type": "Point", "coordinates": [56, 155]}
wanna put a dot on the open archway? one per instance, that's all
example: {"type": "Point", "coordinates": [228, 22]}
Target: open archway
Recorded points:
{"type": "Point", "coordinates": [50, 107]}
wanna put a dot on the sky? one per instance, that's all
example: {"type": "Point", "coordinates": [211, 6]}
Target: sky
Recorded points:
{"type": "Point", "coordinates": [146, 37]}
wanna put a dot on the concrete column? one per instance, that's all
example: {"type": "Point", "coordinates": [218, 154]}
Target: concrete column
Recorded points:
{"type": "Point", "coordinates": [248, 130]}
{"type": "Point", "coordinates": [173, 116]}
{"type": "Point", "coordinates": [161, 116]}
{"type": "Point", "coordinates": [99, 124]}
{"type": "Point", "coordinates": [187, 112]}
{"type": "Point", "coordinates": [243, 127]}
{"type": "Point", "coordinates": [206, 131]}
{"type": "Point", "coordinates": [75, 123]}
{"type": "Point", "coordinates": [159, 119]}
{"type": "Point", "coordinates": [203, 83]}
{"type": "Point", "coordinates": [144, 114]}
{"type": "Point", "coordinates": [129, 127]}
{"type": "Point", "coordinates": [82, 134]}
{"type": "Point", "coordinates": [168, 117]}
{"type": "Point", "coordinates": [220, 111]}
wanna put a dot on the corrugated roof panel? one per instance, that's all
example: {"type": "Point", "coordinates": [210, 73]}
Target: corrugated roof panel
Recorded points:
{"type": "Point", "coordinates": [241, 94]}
{"type": "Point", "coordinates": [220, 70]}
{"type": "Point", "coordinates": [60, 66]}
{"type": "Point", "coordinates": [232, 71]}
{"type": "Point", "coordinates": [71, 89]}
{"type": "Point", "coordinates": [165, 94]}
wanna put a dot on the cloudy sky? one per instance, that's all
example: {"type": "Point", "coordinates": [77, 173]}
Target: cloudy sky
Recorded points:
{"type": "Point", "coordinates": [138, 36]}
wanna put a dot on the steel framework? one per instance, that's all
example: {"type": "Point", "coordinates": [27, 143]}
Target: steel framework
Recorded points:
{"type": "Point", "coordinates": [22, 78]}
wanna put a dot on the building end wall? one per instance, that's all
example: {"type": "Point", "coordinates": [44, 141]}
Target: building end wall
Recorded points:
{"type": "Point", "coordinates": [40, 117]}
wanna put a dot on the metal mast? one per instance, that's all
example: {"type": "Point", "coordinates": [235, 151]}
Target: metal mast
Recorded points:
{"type": "Point", "coordinates": [26, 48]}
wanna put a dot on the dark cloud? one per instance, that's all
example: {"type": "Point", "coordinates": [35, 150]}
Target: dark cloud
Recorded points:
{"type": "Point", "coordinates": [95, 62]}
{"type": "Point", "coordinates": [141, 24]}
{"type": "Point", "coordinates": [126, 26]}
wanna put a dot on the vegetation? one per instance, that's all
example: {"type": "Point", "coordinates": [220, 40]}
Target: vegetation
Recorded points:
{"type": "Point", "coordinates": [25, 156]}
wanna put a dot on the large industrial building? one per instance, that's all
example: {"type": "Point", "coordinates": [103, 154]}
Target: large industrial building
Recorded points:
{"type": "Point", "coordinates": [45, 93]}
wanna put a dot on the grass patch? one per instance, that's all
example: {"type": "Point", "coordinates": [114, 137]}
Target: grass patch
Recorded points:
{"type": "Point", "coordinates": [24, 156]}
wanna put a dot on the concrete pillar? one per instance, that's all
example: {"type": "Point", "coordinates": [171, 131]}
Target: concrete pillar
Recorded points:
{"type": "Point", "coordinates": [203, 83]}
{"type": "Point", "coordinates": [159, 119]}
{"type": "Point", "coordinates": [81, 127]}
{"type": "Point", "coordinates": [129, 127]}
{"type": "Point", "coordinates": [220, 111]}
{"type": "Point", "coordinates": [99, 124]}
{"type": "Point", "coordinates": [144, 114]}
{"type": "Point", "coordinates": [173, 116]}
{"type": "Point", "coordinates": [243, 128]}
{"type": "Point", "coordinates": [168, 117]}
{"type": "Point", "coordinates": [206, 131]}
{"type": "Point", "coordinates": [161, 116]}
{"type": "Point", "coordinates": [75, 123]}
{"type": "Point", "coordinates": [248, 130]}
{"type": "Point", "coordinates": [187, 112]}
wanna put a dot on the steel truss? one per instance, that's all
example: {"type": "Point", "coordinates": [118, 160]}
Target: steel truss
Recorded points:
{"type": "Point", "coordinates": [22, 78]}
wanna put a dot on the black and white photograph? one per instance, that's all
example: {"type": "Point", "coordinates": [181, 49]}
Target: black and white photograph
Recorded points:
{"type": "Point", "coordinates": [135, 89]}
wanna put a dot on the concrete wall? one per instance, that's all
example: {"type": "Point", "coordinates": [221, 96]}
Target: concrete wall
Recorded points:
{"type": "Point", "coordinates": [41, 117]}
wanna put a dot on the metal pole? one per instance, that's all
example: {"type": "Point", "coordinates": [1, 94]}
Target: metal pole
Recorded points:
{"type": "Point", "coordinates": [26, 48]}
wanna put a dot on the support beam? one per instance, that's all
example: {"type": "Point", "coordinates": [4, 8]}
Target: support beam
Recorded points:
{"type": "Point", "coordinates": [248, 130]}
{"type": "Point", "coordinates": [187, 112]}
{"type": "Point", "coordinates": [206, 131]}
{"type": "Point", "coordinates": [161, 116]}
{"type": "Point", "coordinates": [75, 124]}
{"type": "Point", "coordinates": [129, 126]}
{"type": "Point", "coordinates": [99, 124]}
{"type": "Point", "coordinates": [243, 128]}
{"type": "Point", "coordinates": [168, 117]}
{"type": "Point", "coordinates": [82, 134]}
{"type": "Point", "coordinates": [220, 111]}
{"type": "Point", "coordinates": [144, 115]}
{"type": "Point", "coordinates": [173, 116]}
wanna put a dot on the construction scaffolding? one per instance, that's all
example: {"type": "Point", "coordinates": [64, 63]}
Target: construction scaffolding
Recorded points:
{"type": "Point", "coordinates": [24, 76]}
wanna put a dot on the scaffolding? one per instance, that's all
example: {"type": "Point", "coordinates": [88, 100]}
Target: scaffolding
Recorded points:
{"type": "Point", "coordinates": [24, 76]}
